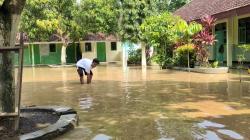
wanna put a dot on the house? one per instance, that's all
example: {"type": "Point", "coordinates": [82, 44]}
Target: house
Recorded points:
{"type": "Point", "coordinates": [232, 26]}
{"type": "Point", "coordinates": [46, 53]}
{"type": "Point", "coordinates": [105, 48]}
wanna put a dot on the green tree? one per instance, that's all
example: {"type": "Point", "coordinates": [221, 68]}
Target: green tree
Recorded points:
{"type": "Point", "coordinates": [10, 12]}
{"type": "Point", "coordinates": [164, 31]}
{"type": "Point", "coordinates": [176, 4]}
{"type": "Point", "coordinates": [134, 12]}
{"type": "Point", "coordinates": [95, 16]}
{"type": "Point", "coordinates": [68, 20]}
{"type": "Point", "coordinates": [43, 18]}
{"type": "Point", "coordinates": [132, 15]}
{"type": "Point", "coordinates": [160, 32]}
{"type": "Point", "coordinates": [162, 6]}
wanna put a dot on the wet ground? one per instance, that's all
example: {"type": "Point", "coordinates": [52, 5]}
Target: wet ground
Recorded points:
{"type": "Point", "coordinates": [140, 104]}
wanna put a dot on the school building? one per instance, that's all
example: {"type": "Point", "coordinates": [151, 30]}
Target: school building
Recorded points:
{"type": "Point", "coordinates": [106, 49]}
{"type": "Point", "coordinates": [232, 25]}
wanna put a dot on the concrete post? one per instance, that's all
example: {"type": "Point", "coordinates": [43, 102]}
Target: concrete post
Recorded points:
{"type": "Point", "coordinates": [124, 55]}
{"type": "Point", "coordinates": [230, 40]}
{"type": "Point", "coordinates": [143, 55]}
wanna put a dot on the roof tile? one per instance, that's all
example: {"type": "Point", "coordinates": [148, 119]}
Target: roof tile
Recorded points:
{"type": "Point", "coordinates": [198, 8]}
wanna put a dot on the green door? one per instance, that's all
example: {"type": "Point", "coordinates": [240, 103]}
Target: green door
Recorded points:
{"type": "Point", "coordinates": [101, 51]}
{"type": "Point", "coordinates": [70, 53]}
{"type": "Point", "coordinates": [220, 45]}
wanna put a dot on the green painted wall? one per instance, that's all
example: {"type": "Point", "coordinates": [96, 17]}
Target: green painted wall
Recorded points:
{"type": "Point", "coordinates": [52, 57]}
{"type": "Point", "coordinates": [36, 53]}
{"type": "Point", "coordinates": [27, 56]}
{"type": "Point", "coordinates": [27, 61]}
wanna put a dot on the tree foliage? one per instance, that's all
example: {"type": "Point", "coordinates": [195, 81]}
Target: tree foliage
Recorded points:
{"type": "Point", "coordinates": [205, 39]}
{"type": "Point", "coordinates": [166, 31]}
{"type": "Point", "coordinates": [159, 32]}
{"type": "Point", "coordinates": [132, 15]}
{"type": "Point", "coordinates": [43, 18]}
{"type": "Point", "coordinates": [162, 6]}
{"type": "Point", "coordinates": [93, 16]}
{"type": "Point", "coordinates": [185, 32]}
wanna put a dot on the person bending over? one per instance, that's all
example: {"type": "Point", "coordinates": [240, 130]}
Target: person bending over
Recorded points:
{"type": "Point", "coordinates": [84, 67]}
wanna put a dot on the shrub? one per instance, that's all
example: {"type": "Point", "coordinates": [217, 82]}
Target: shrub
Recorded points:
{"type": "Point", "coordinates": [134, 56]}
{"type": "Point", "coordinates": [182, 54]}
{"type": "Point", "coordinates": [214, 64]}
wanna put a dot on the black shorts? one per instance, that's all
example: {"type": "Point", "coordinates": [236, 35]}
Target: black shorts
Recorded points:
{"type": "Point", "coordinates": [81, 70]}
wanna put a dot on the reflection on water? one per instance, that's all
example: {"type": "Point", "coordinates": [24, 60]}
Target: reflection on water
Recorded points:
{"type": "Point", "coordinates": [85, 103]}
{"type": "Point", "coordinates": [102, 137]}
{"type": "Point", "coordinates": [145, 104]}
{"type": "Point", "coordinates": [231, 134]}
{"type": "Point", "coordinates": [210, 135]}
{"type": "Point", "coordinates": [207, 124]}
{"type": "Point", "coordinates": [214, 130]}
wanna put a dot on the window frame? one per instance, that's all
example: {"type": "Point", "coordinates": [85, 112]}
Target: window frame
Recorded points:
{"type": "Point", "coordinates": [111, 46]}
{"type": "Point", "coordinates": [88, 47]}
{"type": "Point", "coordinates": [52, 45]}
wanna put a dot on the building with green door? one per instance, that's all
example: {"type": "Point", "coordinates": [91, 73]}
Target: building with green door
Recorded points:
{"type": "Point", "coordinates": [232, 25]}
{"type": "Point", "coordinates": [105, 48]}
{"type": "Point", "coordinates": [47, 53]}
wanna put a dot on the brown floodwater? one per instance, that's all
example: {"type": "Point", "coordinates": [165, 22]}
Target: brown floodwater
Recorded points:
{"type": "Point", "coordinates": [145, 104]}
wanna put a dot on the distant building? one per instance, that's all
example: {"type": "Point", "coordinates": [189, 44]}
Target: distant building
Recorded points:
{"type": "Point", "coordinates": [232, 25]}
{"type": "Point", "coordinates": [105, 48]}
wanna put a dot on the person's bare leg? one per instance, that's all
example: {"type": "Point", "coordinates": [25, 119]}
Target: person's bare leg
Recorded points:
{"type": "Point", "coordinates": [81, 80]}
{"type": "Point", "coordinates": [89, 78]}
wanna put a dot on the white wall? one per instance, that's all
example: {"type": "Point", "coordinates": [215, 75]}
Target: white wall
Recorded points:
{"type": "Point", "coordinates": [44, 49]}
{"type": "Point", "coordinates": [115, 55]}
{"type": "Point", "coordinates": [91, 54]}
{"type": "Point", "coordinates": [111, 56]}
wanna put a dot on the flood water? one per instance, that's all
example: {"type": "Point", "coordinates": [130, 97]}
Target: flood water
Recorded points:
{"type": "Point", "coordinates": [145, 104]}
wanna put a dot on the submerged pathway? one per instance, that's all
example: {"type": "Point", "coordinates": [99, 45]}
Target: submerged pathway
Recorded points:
{"type": "Point", "coordinates": [140, 104]}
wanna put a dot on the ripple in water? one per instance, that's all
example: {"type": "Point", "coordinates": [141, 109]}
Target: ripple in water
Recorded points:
{"type": "Point", "coordinates": [86, 103]}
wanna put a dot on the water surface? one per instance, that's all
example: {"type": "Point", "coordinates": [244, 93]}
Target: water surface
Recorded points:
{"type": "Point", "coordinates": [145, 104]}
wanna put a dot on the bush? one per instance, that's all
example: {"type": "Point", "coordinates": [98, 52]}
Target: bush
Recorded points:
{"type": "Point", "coordinates": [214, 64]}
{"type": "Point", "coordinates": [181, 56]}
{"type": "Point", "coordinates": [134, 57]}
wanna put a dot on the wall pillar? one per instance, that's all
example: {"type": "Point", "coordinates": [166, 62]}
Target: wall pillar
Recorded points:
{"type": "Point", "coordinates": [143, 54]}
{"type": "Point", "coordinates": [33, 55]}
{"type": "Point", "coordinates": [124, 54]}
{"type": "Point", "coordinates": [230, 40]}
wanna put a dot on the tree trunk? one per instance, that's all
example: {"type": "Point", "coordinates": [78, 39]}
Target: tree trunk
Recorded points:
{"type": "Point", "coordinates": [7, 83]}
{"type": "Point", "coordinates": [10, 12]}
{"type": "Point", "coordinates": [63, 55]}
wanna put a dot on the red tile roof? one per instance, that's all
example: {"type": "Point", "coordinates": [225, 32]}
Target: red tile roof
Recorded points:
{"type": "Point", "coordinates": [100, 37]}
{"type": "Point", "coordinates": [198, 8]}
